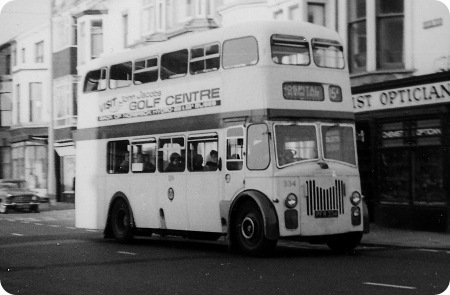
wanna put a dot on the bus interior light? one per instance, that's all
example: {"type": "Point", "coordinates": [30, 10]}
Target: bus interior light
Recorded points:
{"type": "Point", "coordinates": [291, 201]}
{"type": "Point", "coordinates": [355, 198]}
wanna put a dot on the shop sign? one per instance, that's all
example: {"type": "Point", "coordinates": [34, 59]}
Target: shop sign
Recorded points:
{"type": "Point", "coordinates": [402, 97]}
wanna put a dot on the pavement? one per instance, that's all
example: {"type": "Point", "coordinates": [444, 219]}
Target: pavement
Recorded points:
{"type": "Point", "coordinates": [378, 236]}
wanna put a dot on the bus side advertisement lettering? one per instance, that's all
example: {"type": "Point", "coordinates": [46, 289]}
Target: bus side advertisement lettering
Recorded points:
{"type": "Point", "coordinates": [153, 103]}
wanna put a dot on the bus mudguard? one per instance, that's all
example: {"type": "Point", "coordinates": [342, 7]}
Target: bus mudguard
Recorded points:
{"type": "Point", "coordinates": [271, 227]}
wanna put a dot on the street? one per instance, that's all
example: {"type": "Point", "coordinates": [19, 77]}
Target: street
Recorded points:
{"type": "Point", "coordinates": [45, 254]}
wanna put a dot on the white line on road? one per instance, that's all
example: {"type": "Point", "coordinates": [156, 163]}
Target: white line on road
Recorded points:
{"type": "Point", "coordinates": [428, 250]}
{"type": "Point", "coordinates": [12, 220]}
{"type": "Point", "coordinates": [38, 224]}
{"type": "Point", "coordinates": [71, 227]}
{"type": "Point", "coordinates": [126, 253]}
{"type": "Point", "coordinates": [25, 222]}
{"type": "Point", "coordinates": [16, 234]}
{"type": "Point", "coordinates": [54, 225]}
{"type": "Point", "coordinates": [91, 230]}
{"type": "Point", "coordinates": [391, 286]}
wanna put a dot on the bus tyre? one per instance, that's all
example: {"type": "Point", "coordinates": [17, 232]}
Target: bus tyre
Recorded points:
{"type": "Point", "coordinates": [248, 231]}
{"type": "Point", "coordinates": [121, 221]}
{"type": "Point", "coordinates": [344, 243]}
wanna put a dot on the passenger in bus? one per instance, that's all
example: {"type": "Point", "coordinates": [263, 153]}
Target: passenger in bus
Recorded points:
{"type": "Point", "coordinates": [175, 164]}
{"type": "Point", "coordinates": [148, 166]}
{"type": "Point", "coordinates": [211, 164]}
{"type": "Point", "coordinates": [125, 164]}
{"type": "Point", "coordinates": [286, 157]}
{"type": "Point", "coordinates": [197, 163]}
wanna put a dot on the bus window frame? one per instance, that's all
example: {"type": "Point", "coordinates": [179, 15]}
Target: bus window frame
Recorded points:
{"type": "Point", "coordinates": [130, 81]}
{"type": "Point", "coordinates": [331, 43]}
{"type": "Point", "coordinates": [146, 69]}
{"type": "Point", "coordinates": [104, 70]}
{"type": "Point", "coordinates": [161, 168]}
{"type": "Point", "coordinates": [175, 76]}
{"type": "Point", "coordinates": [239, 65]}
{"type": "Point", "coordinates": [318, 142]}
{"type": "Point", "coordinates": [323, 143]}
{"type": "Point", "coordinates": [230, 136]}
{"type": "Point", "coordinates": [113, 165]}
{"type": "Point", "coordinates": [268, 147]}
{"type": "Point", "coordinates": [272, 43]}
{"type": "Point", "coordinates": [205, 58]}
{"type": "Point", "coordinates": [144, 141]}
{"type": "Point", "coordinates": [201, 137]}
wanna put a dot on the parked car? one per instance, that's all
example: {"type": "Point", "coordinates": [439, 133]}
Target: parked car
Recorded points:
{"type": "Point", "coordinates": [15, 194]}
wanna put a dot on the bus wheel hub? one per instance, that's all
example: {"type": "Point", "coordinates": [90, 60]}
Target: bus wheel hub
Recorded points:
{"type": "Point", "coordinates": [248, 228]}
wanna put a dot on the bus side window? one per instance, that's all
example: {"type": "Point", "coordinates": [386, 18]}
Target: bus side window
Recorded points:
{"type": "Point", "coordinates": [144, 156]}
{"type": "Point", "coordinates": [118, 156]}
{"type": "Point", "coordinates": [145, 71]}
{"type": "Point", "coordinates": [205, 58]}
{"type": "Point", "coordinates": [95, 81]}
{"type": "Point", "coordinates": [202, 152]}
{"type": "Point", "coordinates": [258, 155]}
{"type": "Point", "coordinates": [171, 154]}
{"type": "Point", "coordinates": [120, 75]}
{"type": "Point", "coordinates": [235, 148]}
{"type": "Point", "coordinates": [174, 64]}
{"type": "Point", "coordinates": [240, 52]}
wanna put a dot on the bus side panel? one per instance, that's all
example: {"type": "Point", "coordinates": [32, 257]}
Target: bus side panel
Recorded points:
{"type": "Point", "coordinates": [87, 198]}
{"type": "Point", "coordinates": [143, 200]}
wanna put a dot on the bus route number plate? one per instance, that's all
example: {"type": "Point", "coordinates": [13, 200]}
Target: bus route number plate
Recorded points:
{"type": "Point", "coordinates": [326, 214]}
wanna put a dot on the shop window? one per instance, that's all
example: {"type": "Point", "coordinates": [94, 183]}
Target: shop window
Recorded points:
{"type": "Point", "coordinates": [394, 176]}
{"type": "Point", "coordinates": [240, 52]}
{"type": "Point", "coordinates": [96, 38]}
{"type": "Point", "coordinates": [144, 156]}
{"type": "Point", "coordinates": [357, 35]}
{"type": "Point", "coordinates": [120, 75]}
{"type": "Point", "coordinates": [145, 71]}
{"type": "Point", "coordinates": [202, 152]}
{"type": "Point", "coordinates": [174, 64]}
{"type": "Point", "coordinates": [171, 154]}
{"type": "Point", "coordinates": [118, 156]}
{"type": "Point", "coordinates": [39, 52]}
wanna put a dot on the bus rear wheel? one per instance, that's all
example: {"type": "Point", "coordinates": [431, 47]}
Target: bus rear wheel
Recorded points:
{"type": "Point", "coordinates": [344, 243]}
{"type": "Point", "coordinates": [121, 221]}
{"type": "Point", "coordinates": [248, 231]}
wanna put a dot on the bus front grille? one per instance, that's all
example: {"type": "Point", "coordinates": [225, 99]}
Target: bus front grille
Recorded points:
{"type": "Point", "coordinates": [320, 199]}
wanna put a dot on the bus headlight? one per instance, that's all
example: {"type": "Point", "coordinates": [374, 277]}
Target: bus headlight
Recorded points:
{"type": "Point", "coordinates": [355, 198]}
{"type": "Point", "coordinates": [291, 201]}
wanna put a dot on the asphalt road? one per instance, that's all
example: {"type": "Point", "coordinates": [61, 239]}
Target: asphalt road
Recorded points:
{"type": "Point", "coordinates": [45, 254]}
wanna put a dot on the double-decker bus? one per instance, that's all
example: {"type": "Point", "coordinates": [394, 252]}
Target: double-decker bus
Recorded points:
{"type": "Point", "coordinates": [244, 132]}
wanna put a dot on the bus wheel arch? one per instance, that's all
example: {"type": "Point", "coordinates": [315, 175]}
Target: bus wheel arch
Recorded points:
{"type": "Point", "coordinates": [120, 221]}
{"type": "Point", "coordinates": [253, 226]}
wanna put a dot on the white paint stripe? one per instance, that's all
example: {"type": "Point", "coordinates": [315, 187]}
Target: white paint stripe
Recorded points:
{"type": "Point", "coordinates": [428, 250]}
{"type": "Point", "coordinates": [71, 227]}
{"type": "Point", "coordinates": [12, 220]}
{"type": "Point", "coordinates": [448, 252]}
{"type": "Point", "coordinates": [25, 222]}
{"type": "Point", "coordinates": [91, 230]}
{"type": "Point", "coordinates": [38, 224]}
{"type": "Point", "coordinates": [391, 286]}
{"type": "Point", "coordinates": [16, 234]}
{"type": "Point", "coordinates": [54, 225]}
{"type": "Point", "coordinates": [126, 253]}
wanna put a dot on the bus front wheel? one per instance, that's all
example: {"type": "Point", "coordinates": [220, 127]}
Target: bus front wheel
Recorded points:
{"type": "Point", "coordinates": [248, 230]}
{"type": "Point", "coordinates": [121, 221]}
{"type": "Point", "coordinates": [344, 243]}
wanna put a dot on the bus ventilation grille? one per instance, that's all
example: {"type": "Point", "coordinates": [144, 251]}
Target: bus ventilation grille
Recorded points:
{"type": "Point", "coordinates": [319, 199]}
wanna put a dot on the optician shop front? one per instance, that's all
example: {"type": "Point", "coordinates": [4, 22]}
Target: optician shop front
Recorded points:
{"type": "Point", "coordinates": [403, 137]}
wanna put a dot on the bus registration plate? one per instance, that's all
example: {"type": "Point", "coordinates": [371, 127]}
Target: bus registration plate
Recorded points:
{"type": "Point", "coordinates": [326, 214]}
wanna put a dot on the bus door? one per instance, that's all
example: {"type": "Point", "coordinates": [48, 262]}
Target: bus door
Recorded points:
{"type": "Point", "coordinates": [171, 183]}
{"type": "Point", "coordinates": [233, 168]}
{"type": "Point", "coordinates": [203, 183]}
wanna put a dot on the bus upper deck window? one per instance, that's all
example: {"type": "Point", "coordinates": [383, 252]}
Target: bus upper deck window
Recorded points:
{"type": "Point", "coordinates": [204, 59]}
{"type": "Point", "coordinates": [174, 64]}
{"type": "Point", "coordinates": [328, 53]}
{"type": "Point", "coordinates": [240, 52]}
{"type": "Point", "coordinates": [145, 71]}
{"type": "Point", "coordinates": [120, 75]}
{"type": "Point", "coordinates": [290, 50]}
{"type": "Point", "coordinates": [95, 80]}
